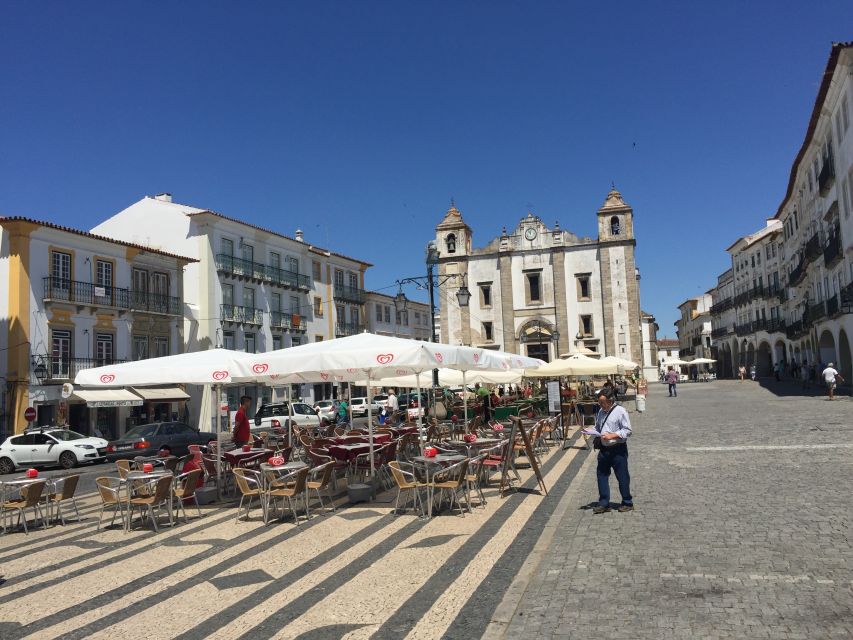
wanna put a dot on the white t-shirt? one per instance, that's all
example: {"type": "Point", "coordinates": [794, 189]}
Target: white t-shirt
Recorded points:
{"type": "Point", "coordinates": [393, 405]}
{"type": "Point", "coordinates": [829, 374]}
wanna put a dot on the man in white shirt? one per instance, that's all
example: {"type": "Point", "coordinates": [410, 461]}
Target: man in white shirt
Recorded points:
{"type": "Point", "coordinates": [613, 424]}
{"type": "Point", "coordinates": [830, 376]}
{"type": "Point", "coordinates": [393, 405]}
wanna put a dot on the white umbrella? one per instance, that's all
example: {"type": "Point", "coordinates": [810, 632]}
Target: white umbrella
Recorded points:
{"type": "Point", "coordinates": [675, 362]}
{"type": "Point", "coordinates": [451, 378]}
{"type": "Point", "coordinates": [574, 365]}
{"type": "Point", "coordinates": [627, 364]}
{"type": "Point", "coordinates": [702, 361]}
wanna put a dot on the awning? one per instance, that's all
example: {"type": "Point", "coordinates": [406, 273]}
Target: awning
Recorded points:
{"type": "Point", "coordinates": [161, 394]}
{"type": "Point", "coordinates": [107, 397]}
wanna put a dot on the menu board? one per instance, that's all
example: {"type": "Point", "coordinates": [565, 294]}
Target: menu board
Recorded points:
{"type": "Point", "coordinates": [554, 396]}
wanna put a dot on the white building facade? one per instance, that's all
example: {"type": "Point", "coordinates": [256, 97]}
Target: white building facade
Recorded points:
{"type": "Point", "coordinates": [383, 319]}
{"type": "Point", "coordinates": [540, 291]}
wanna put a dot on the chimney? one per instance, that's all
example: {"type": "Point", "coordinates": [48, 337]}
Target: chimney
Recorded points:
{"type": "Point", "coordinates": [163, 197]}
{"type": "Point", "coordinates": [299, 235]}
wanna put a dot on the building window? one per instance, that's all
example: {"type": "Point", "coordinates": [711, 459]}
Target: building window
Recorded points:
{"type": "Point", "coordinates": [228, 339]}
{"type": "Point", "coordinates": [226, 247]}
{"type": "Point", "coordinates": [227, 294]}
{"type": "Point", "coordinates": [315, 267]}
{"type": "Point", "coordinates": [60, 268]}
{"type": "Point", "coordinates": [379, 312]}
{"type": "Point", "coordinates": [450, 240]}
{"type": "Point", "coordinates": [397, 318]}
{"type": "Point", "coordinates": [249, 343]}
{"type": "Point", "coordinates": [339, 278]}
{"type": "Point", "coordinates": [487, 331]}
{"type": "Point", "coordinates": [586, 325]}
{"type": "Point", "coordinates": [485, 295]}
{"type": "Point", "coordinates": [353, 280]}
{"type": "Point", "coordinates": [405, 318]}
{"type": "Point", "coordinates": [583, 287]}
{"type": "Point", "coordinates": [614, 226]}
{"type": "Point", "coordinates": [342, 315]}
{"type": "Point", "coordinates": [104, 348]}
{"type": "Point", "coordinates": [417, 318]}
{"type": "Point", "coordinates": [276, 343]}
{"type": "Point", "coordinates": [318, 307]}
{"type": "Point", "coordinates": [161, 346]}
{"type": "Point", "coordinates": [140, 347]}
{"type": "Point", "coordinates": [388, 314]}
{"type": "Point", "coordinates": [60, 354]}
{"type": "Point", "coordinates": [248, 252]}
{"type": "Point", "coordinates": [534, 293]}
{"type": "Point", "coordinates": [249, 298]}
{"type": "Point", "coordinates": [354, 316]}
{"type": "Point", "coordinates": [295, 341]}
{"type": "Point", "coordinates": [318, 338]}
{"type": "Point", "coordinates": [294, 304]}
{"type": "Point", "coordinates": [293, 264]}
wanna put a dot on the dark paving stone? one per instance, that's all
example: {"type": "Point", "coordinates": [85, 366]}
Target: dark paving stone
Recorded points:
{"type": "Point", "coordinates": [243, 579]}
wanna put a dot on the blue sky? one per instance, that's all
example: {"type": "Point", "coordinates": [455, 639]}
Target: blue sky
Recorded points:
{"type": "Point", "coordinates": [358, 121]}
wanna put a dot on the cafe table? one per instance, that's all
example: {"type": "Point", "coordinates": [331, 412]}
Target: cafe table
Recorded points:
{"type": "Point", "coordinates": [436, 463]}
{"type": "Point", "coordinates": [139, 478]}
{"type": "Point", "coordinates": [474, 447]}
{"type": "Point", "coordinates": [235, 456]}
{"type": "Point", "coordinates": [14, 486]}
{"type": "Point", "coordinates": [281, 470]}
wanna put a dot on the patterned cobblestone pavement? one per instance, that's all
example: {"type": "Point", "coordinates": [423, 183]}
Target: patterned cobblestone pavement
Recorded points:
{"type": "Point", "coordinates": [742, 527]}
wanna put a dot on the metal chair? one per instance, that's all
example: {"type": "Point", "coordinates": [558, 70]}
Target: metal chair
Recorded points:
{"type": "Point", "coordinates": [69, 486]}
{"type": "Point", "coordinates": [109, 489]}
{"type": "Point", "coordinates": [30, 499]}
{"type": "Point", "coordinates": [187, 483]}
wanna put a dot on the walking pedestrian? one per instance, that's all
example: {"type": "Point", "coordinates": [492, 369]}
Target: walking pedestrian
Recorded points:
{"type": "Point", "coordinates": [242, 431]}
{"type": "Point", "coordinates": [831, 376]}
{"type": "Point", "coordinates": [613, 424]}
{"type": "Point", "coordinates": [741, 372]}
{"type": "Point", "coordinates": [672, 381]}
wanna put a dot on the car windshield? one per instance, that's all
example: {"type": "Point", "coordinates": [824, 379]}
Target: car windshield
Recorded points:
{"type": "Point", "coordinates": [66, 434]}
{"type": "Point", "coordinates": [141, 431]}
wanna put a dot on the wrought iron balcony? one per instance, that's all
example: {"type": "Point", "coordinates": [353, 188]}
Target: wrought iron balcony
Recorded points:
{"type": "Point", "coordinates": [813, 248]}
{"type": "Point", "coordinates": [720, 332]}
{"type": "Point", "coordinates": [348, 329]}
{"type": "Point", "coordinates": [290, 321]}
{"type": "Point", "coordinates": [832, 251]}
{"type": "Point", "coordinates": [245, 315]}
{"type": "Point", "coordinates": [87, 293]}
{"type": "Point", "coordinates": [240, 267]}
{"type": "Point", "coordinates": [832, 305]}
{"type": "Point", "coordinates": [285, 278]}
{"type": "Point", "coordinates": [721, 306]}
{"type": "Point", "coordinates": [741, 299]}
{"type": "Point", "coordinates": [794, 330]}
{"type": "Point", "coordinates": [47, 369]}
{"type": "Point", "coordinates": [775, 325]}
{"type": "Point", "coordinates": [826, 176]}
{"type": "Point", "coordinates": [847, 299]}
{"type": "Point", "coordinates": [759, 325]}
{"type": "Point", "coordinates": [743, 329]}
{"type": "Point", "coordinates": [796, 276]}
{"type": "Point", "coordinates": [350, 294]}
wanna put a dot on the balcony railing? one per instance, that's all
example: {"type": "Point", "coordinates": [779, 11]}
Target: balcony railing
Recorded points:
{"type": "Point", "coordinates": [696, 341]}
{"type": "Point", "coordinates": [832, 305]}
{"type": "Point", "coordinates": [743, 329]}
{"type": "Point", "coordinates": [46, 368]}
{"type": "Point", "coordinates": [721, 306]}
{"type": "Point", "coordinates": [794, 330]}
{"type": "Point", "coordinates": [720, 332]}
{"type": "Point", "coordinates": [62, 290]}
{"type": "Point", "coordinates": [348, 329]}
{"type": "Point", "coordinates": [291, 321]}
{"type": "Point", "coordinates": [813, 248]}
{"type": "Point", "coordinates": [775, 325]}
{"type": "Point", "coordinates": [350, 294]}
{"type": "Point", "coordinates": [832, 250]}
{"type": "Point", "coordinates": [257, 271]}
{"type": "Point", "coordinates": [741, 299]}
{"type": "Point", "coordinates": [285, 278]}
{"type": "Point", "coordinates": [847, 299]}
{"type": "Point", "coordinates": [247, 315]}
{"type": "Point", "coordinates": [796, 276]}
{"type": "Point", "coordinates": [826, 176]}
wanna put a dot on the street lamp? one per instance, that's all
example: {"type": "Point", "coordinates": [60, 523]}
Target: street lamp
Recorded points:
{"type": "Point", "coordinates": [463, 296]}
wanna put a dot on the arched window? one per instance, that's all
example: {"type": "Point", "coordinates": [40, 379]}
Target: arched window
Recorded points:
{"type": "Point", "coordinates": [614, 226]}
{"type": "Point", "coordinates": [451, 243]}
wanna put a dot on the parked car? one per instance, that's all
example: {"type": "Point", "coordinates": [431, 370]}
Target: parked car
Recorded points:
{"type": "Point", "coordinates": [327, 409]}
{"type": "Point", "coordinates": [381, 399]}
{"type": "Point", "coordinates": [150, 439]}
{"type": "Point", "coordinates": [50, 447]}
{"type": "Point", "coordinates": [359, 407]}
{"type": "Point", "coordinates": [274, 415]}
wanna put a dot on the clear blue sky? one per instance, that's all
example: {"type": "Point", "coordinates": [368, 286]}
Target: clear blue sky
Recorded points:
{"type": "Point", "coordinates": [358, 121]}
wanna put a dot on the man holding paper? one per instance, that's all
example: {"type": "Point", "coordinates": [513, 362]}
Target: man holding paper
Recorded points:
{"type": "Point", "coordinates": [613, 424]}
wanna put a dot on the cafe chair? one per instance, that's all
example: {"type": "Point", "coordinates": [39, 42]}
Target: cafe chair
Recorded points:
{"type": "Point", "coordinates": [56, 498]}
{"type": "Point", "coordinates": [474, 480]}
{"type": "Point", "coordinates": [319, 479]}
{"type": "Point", "coordinates": [451, 482]}
{"type": "Point", "coordinates": [186, 484]}
{"type": "Point", "coordinates": [338, 431]}
{"type": "Point", "coordinates": [406, 481]}
{"type": "Point", "coordinates": [292, 490]}
{"type": "Point", "coordinates": [250, 486]}
{"type": "Point", "coordinates": [30, 499]}
{"type": "Point", "coordinates": [109, 489]}
{"type": "Point", "coordinates": [157, 499]}
{"type": "Point", "coordinates": [123, 468]}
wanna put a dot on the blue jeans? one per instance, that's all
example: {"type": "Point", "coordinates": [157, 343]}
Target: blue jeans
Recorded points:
{"type": "Point", "coordinates": [672, 390]}
{"type": "Point", "coordinates": [616, 458]}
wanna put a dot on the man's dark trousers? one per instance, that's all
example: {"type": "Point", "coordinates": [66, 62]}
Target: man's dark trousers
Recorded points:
{"type": "Point", "coordinates": [672, 390]}
{"type": "Point", "coordinates": [616, 458]}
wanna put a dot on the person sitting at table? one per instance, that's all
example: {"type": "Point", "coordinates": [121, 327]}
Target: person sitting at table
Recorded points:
{"type": "Point", "coordinates": [242, 432]}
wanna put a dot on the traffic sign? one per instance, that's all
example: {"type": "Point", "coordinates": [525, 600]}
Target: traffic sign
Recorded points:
{"type": "Point", "coordinates": [30, 414]}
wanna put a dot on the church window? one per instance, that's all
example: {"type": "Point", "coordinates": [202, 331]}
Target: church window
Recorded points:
{"type": "Point", "coordinates": [451, 243]}
{"type": "Point", "coordinates": [614, 226]}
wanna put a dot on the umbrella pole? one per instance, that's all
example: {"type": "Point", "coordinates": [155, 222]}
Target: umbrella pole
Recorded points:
{"type": "Point", "coordinates": [218, 422]}
{"type": "Point", "coordinates": [289, 415]}
{"type": "Point", "coordinates": [370, 422]}
{"type": "Point", "coordinates": [464, 402]}
{"type": "Point", "coordinates": [418, 419]}
{"type": "Point", "coordinates": [349, 403]}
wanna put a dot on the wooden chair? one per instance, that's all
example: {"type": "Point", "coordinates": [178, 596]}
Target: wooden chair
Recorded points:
{"type": "Point", "coordinates": [69, 486]}
{"type": "Point", "coordinates": [249, 484]}
{"type": "Point", "coordinates": [319, 478]}
{"type": "Point", "coordinates": [291, 491]}
{"type": "Point", "coordinates": [187, 483]}
{"type": "Point", "coordinates": [109, 489]}
{"type": "Point", "coordinates": [406, 481]}
{"type": "Point", "coordinates": [30, 499]}
{"type": "Point", "coordinates": [160, 497]}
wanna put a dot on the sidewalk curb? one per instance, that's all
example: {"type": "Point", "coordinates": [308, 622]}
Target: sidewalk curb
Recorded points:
{"type": "Point", "coordinates": [505, 611]}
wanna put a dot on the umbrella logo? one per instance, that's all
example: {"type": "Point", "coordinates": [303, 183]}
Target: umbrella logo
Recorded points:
{"type": "Point", "coordinates": [324, 376]}
{"type": "Point", "coordinates": [274, 376]}
{"type": "Point", "coordinates": [260, 368]}
{"type": "Point", "coordinates": [385, 358]}
{"type": "Point", "coordinates": [439, 357]}
{"type": "Point", "coordinates": [401, 372]}
{"type": "Point", "coordinates": [107, 378]}
{"type": "Point", "coordinates": [220, 375]}
{"type": "Point", "coordinates": [351, 370]}
{"type": "Point", "coordinates": [476, 358]}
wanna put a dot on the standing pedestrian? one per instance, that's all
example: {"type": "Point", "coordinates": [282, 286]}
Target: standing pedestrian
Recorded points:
{"type": "Point", "coordinates": [242, 431]}
{"type": "Point", "coordinates": [613, 424]}
{"type": "Point", "coordinates": [672, 381]}
{"type": "Point", "coordinates": [831, 376]}
{"type": "Point", "coordinates": [741, 372]}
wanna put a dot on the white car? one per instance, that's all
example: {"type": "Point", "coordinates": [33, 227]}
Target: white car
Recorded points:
{"type": "Point", "coordinates": [327, 409]}
{"type": "Point", "coordinates": [50, 447]}
{"type": "Point", "coordinates": [359, 407]}
{"type": "Point", "coordinates": [381, 400]}
{"type": "Point", "coordinates": [274, 416]}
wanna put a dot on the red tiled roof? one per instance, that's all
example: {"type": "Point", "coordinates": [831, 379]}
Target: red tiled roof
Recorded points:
{"type": "Point", "coordinates": [79, 232]}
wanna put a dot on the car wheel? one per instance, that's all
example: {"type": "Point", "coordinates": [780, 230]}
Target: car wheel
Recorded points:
{"type": "Point", "coordinates": [67, 460]}
{"type": "Point", "coordinates": [6, 466]}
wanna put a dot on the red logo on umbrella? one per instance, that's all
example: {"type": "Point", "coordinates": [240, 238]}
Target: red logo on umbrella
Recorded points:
{"type": "Point", "coordinates": [476, 357]}
{"type": "Point", "coordinates": [325, 376]}
{"type": "Point", "coordinates": [274, 376]}
{"type": "Point", "coordinates": [401, 372]}
{"type": "Point", "coordinates": [385, 358]}
{"type": "Point", "coordinates": [260, 368]}
{"type": "Point", "coordinates": [107, 378]}
{"type": "Point", "coordinates": [439, 357]}
{"type": "Point", "coordinates": [220, 375]}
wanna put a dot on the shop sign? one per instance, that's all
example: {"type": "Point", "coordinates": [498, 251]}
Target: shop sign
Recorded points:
{"type": "Point", "coordinates": [115, 403]}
